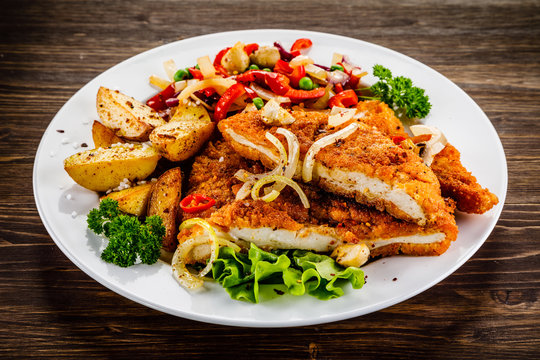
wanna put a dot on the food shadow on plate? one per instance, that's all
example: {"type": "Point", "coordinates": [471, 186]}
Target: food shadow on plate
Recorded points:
{"type": "Point", "coordinates": [77, 201]}
{"type": "Point", "coordinates": [96, 244]}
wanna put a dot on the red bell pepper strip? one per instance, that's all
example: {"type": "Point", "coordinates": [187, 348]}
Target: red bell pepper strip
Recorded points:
{"type": "Point", "coordinates": [279, 84]}
{"type": "Point", "coordinates": [196, 202]}
{"type": "Point", "coordinates": [220, 55]}
{"type": "Point", "coordinates": [398, 139]}
{"type": "Point", "coordinates": [338, 88]}
{"type": "Point", "coordinates": [301, 46]}
{"type": "Point", "coordinates": [209, 91]}
{"type": "Point", "coordinates": [226, 100]}
{"type": "Point", "coordinates": [298, 73]}
{"type": "Point", "coordinates": [250, 48]}
{"type": "Point", "coordinates": [346, 98]}
{"type": "Point", "coordinates": [283, 67]}
{"type": "Point", "coordinates": [196, 73]}
{"type": "Point", "coordinates": [252, 94]}
{"type": "Point", "coordinates": [297, 96]}
{"type": "Point", "coordinates": [221, 70]}
{"type": "Point", "coordinates": [157, 102]}
{"type": "Point", "coordinates": [294, 74]}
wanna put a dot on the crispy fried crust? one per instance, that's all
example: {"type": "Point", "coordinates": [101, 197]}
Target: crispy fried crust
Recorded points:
{"type": "Point", "coordinates": [460, 184]}
{"type": "Point", "coordinates": [352, 222]}
{"type": "Point", "coordinates": [367, 151]}
{"type": "Point", "coordinates": [379, 115]}
{"type": "Point", "coordinates": [456, 182]}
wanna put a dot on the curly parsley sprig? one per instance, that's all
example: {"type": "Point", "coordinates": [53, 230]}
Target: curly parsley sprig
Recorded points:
{"type": "Point", "coordinates": [128, 238]}
{"type": "Point", "coordinates": [399, 93]}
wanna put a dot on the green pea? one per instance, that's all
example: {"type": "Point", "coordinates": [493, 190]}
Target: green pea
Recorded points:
{"type": "Point", "coordinates": [253, 67]}
{"type": "Point", "coordinates": [305, 83]}
{"type": "Point", "coordinates": [181, 75]}
{"type": "Point", "coordinates": [258, 102]}
{"type": "Point", "coordinates": [267, 69]}
{"type": "Point", "coordinates": [198, 68]}
{"type": "Point", "coordinates": [336, 67]}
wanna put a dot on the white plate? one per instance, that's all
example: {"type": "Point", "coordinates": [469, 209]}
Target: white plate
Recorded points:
{"type": "Point", "coordinates": [462, 121]}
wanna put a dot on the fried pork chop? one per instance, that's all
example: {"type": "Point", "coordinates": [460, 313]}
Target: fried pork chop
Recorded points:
{"type": "Point", "coordinates": [366, 166]}
{"type": "Point", "coordinates": [459, 184]}
{"type": "Point", "coordinates": [456, 182]}
{"type": "Point", "coordinates": [284, 223]}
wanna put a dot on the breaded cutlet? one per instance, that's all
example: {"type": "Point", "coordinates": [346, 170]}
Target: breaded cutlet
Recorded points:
{"type": "Point", "coordinates": [459, 184]}
{"type": "Point", "coordinates": [284, 223]}
{"type": "Point", "coordinates": [456, 181]}
{"type": "Point", "coordinates": [366, 166]}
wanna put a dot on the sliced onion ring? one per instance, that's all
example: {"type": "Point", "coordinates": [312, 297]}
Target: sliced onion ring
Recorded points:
{"type": "Point", "coordinates": [267, 94]}
{"type": "Point", "coordinates": [179, 270]}
{"type": "Point", "coordinates": [181, 273]}
{"type": "Point", "coordinates": [220, 84]}
{"type": "Point", "coordinates": [279, 178]}
{"type": "Point", "coordinates": [309, 160]}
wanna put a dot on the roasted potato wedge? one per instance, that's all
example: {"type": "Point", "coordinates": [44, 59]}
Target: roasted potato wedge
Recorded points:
{"type": "Point", "coordinates": [105, 168]}
{"type": "Point", "coordinates": [184, 134]}
{"type": "Point", "coordinates": [165, 202]}
{"type": "Point", "coordinates": [103, 136]}
{"type": "Point", "coordinates": [189, 112]}
{"type": "Point", "coordinates": [133, 200]}
{"type": "Point", "coordinates": [129, 118]}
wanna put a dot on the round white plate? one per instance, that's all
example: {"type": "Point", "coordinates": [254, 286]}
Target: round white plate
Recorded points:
{"type": "Point", "coordinates": [455, 113]}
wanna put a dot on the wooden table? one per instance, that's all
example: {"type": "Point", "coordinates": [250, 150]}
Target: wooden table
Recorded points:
{"type": "Point", "coordinates": [489, 308]}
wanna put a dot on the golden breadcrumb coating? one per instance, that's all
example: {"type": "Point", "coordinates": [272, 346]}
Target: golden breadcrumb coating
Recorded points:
{"type": "Point", "coordinates": [367, 151]}
{"type": "Point", "coordinates": [456, 182]}
{"type": "Point", "coordinates": [379, 115]}
{"type": "Point", "coordinates": [212, 175]}
{"type": "Point", "coordinates": [460, 184]}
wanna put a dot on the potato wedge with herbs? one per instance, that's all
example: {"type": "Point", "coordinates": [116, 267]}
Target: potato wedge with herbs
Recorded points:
{"type": "Point", "coordinates": [129, 118]}
{"type": "Point", "coordinates": [103, 136]}
{"type": "Point", "coordinates": [165, 202]}
{"type": "Point", "coordinates": [133, 200]}
{"type": "Point", "coordinates": [105, 168]}
{"type": "Point", "coordinates": [184, 134]}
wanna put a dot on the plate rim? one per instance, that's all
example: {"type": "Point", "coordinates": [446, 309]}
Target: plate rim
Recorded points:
{"type": "Point", "coordinates": [256, 323]}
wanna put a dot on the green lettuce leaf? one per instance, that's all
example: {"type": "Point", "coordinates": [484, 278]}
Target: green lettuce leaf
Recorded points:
{"type": "Point", "coordinates": [297, 272]}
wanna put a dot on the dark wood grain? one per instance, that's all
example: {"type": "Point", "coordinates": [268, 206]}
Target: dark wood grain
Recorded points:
{"type": "Point", "coordinates": [489, 308]}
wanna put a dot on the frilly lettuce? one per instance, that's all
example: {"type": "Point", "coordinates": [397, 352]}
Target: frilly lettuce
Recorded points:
{"type": "Point", "coordinates": [257, 274]}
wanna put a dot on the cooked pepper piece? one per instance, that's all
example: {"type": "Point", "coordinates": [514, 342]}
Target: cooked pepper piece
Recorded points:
{"type": "Point", "coordinates": [196, 202]}
{"type": "Point", "coordinates": [346, 98]}
{"type": "Point", "coordinates": [250, 48]}
{"type": "Point", "coordinates": [196, 73]}
{"type": "Point", "coordinates": [226, 100]}
{"type": "Point", "coordinates": [301, 46]}
{"type": "Point", "coordinates": [158, 102]}
{"type": "Point", "coordinates": [279, 84]}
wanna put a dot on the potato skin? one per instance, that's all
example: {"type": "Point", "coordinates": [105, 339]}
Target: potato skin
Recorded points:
{"type": "Point", "coordinates": [103, 136]}
{"type": "Point", "coordinates": [165, 202]}
{"type": "Point", "coordinates": [133, 200]}
{"type": "Point", "coordinates": [129, 118]}
{"type": "Point", "coordinates": [105, 168]}
{"type": "Point", "coordinates": [184, 134]}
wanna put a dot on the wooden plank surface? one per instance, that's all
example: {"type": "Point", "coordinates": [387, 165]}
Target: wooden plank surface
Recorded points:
{"type": "Point", "coordinates": [489, 308]}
